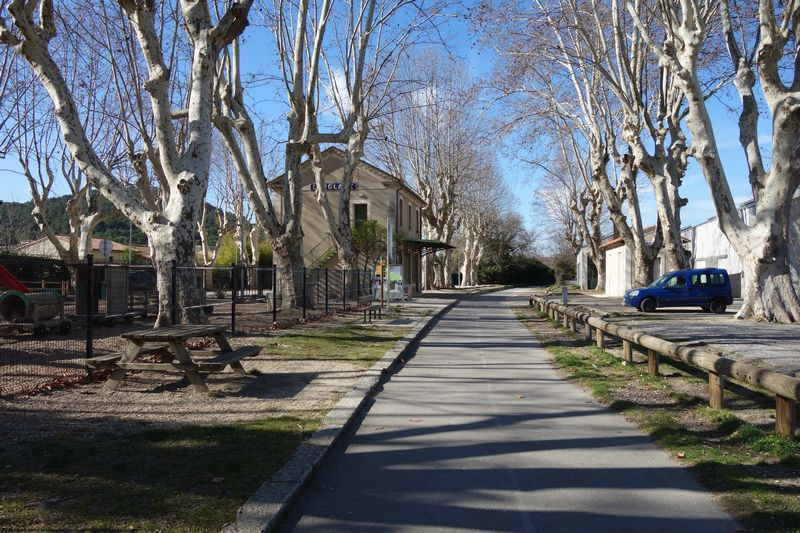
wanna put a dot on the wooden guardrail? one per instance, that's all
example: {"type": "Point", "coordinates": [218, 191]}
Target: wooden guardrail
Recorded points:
{"type": "Point", "coordinates": [784, 387]}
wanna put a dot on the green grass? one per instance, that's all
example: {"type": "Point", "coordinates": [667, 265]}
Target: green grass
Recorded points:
{"type": "Point", "coordinates": [741, 462]}
{"type": "Point", "coordinates": [188, 479]}
{"type": "Point", "coordinates": [362, 345]}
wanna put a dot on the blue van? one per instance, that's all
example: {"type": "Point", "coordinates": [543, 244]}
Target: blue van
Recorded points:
{"type": "Point", "coordinates": [708, 288]}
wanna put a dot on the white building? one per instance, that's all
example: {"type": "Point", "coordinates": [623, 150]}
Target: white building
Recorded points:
{"type": "Point", "coordinates": [708, 246]}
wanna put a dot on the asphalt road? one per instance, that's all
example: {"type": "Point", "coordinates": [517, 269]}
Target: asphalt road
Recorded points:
{"type": "Point", "coordinates": [479, 433]}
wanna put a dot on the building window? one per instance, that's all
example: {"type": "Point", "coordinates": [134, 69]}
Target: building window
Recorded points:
{"type": "Point", "coordinates": [400, 215]}
{"type": "Point", "coordinates": [360, 213]}
{"type": "Point", "coordinates": [410, 222]}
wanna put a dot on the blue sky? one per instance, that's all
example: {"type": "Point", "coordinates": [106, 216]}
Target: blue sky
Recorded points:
{"type": "Point", "coordinates": [520, 177]}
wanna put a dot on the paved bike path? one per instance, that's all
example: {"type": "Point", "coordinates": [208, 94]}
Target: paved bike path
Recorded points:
{"type": "Point", "coordinates": [479, 433]}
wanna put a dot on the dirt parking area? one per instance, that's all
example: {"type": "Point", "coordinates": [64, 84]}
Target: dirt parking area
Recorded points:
{"type": "Point", "coordinates": [773, 345]}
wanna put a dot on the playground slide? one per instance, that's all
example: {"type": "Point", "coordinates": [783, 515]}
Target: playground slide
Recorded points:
{"type": "Point", "coordinates": [8, 281]}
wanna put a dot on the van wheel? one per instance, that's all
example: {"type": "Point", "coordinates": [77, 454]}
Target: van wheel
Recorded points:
{"type": "Point", "coordinates": [648, 305]}
{"type": "Point", "coordinates": [718, 307]}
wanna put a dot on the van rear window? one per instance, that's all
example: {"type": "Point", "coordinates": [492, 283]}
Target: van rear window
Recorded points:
{"type": "Point", "coordinates": [700, 279]}
{"type": "Point", "coordinates": [717, 279]}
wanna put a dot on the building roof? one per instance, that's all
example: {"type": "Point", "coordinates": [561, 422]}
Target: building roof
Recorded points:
{"type": "Point", "coordinates": [64, 239]}
{"type": "Point", "coordinates": [338, 153]}
{"type": "Point", "coordinates": [615, 241]}
{"type": "Point", "coordinates": [426, 246]}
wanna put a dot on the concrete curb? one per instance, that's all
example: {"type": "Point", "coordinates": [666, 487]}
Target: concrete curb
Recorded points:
{"type": "Point", "coordinates": [264, 509]}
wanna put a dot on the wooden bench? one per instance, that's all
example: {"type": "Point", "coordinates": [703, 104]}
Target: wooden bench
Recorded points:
{"type": "Point", "coordinates": [217, 361]}
{"type": "Point", "coordinates": [110, 360]}
{"type": "Point", "coordinates": [173, 340]}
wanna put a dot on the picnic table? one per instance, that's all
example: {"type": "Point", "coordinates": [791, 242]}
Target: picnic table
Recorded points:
{"type": "Point", "coordinates": [169, 345]}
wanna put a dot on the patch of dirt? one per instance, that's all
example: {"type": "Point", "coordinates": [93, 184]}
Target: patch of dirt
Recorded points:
{"type": "Point", "coordinates": [147, 400]}
{"type": "Point", "coordinates": [155, 399]}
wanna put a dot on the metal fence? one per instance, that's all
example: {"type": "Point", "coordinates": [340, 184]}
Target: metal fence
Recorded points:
{"type": "Point", "coordinates": [48, 331]}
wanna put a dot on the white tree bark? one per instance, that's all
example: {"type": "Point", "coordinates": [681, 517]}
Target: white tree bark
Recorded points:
{"type": "Point", "coordinates": [170, 229]}
{"type": "Point", "coordinates": [429, 140]}
{"type": "Point", "coordinates": [360, 84]}
{"type": "Point", "coordinates": [762, 246]}
{"type": "Point", "coordinates": [299, 46]}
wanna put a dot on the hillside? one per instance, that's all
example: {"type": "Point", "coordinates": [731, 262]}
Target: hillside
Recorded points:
{"type": "Point", "coordinates": [18, 224]}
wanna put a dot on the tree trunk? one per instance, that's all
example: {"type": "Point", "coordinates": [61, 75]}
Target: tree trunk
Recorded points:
{"type": "Point", "coordinates": [439, 281]}
{"type": "Point", "coordinates": [599, 261]}
{"type": "Point", "coordinates": [429, 274]}
{"type": "Point", "coordinates": [642, 267]}
{"type": "Point", "coordinates": [769, 293]}
{"type": "Point", "coordinates": [467, 263]}
{"type": "Point", "coordinates": [168, 244]}
{"type": "Point", "coordinates": [288, 256]}
{"type": "Point", "coordinates": [476, 265]}
{"type": "Point", "coordinates": [447, 268]}
{"type": "Point", "coordinates": [674, 254]}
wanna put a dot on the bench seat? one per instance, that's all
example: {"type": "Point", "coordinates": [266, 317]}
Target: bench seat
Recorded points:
{"type": "Point", "coordinates": [112, 358]}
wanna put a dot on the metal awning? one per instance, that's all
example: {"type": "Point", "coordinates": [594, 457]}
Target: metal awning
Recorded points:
{"type": "Point", "coordinates": [426, 246]}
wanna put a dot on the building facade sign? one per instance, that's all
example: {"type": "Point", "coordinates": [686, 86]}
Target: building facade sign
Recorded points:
{"type": "Point", "coordinates": [333, 186]}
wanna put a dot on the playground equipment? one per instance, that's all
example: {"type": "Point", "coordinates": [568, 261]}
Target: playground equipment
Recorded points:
{"type": "Point", "coordinates": [25, 310]}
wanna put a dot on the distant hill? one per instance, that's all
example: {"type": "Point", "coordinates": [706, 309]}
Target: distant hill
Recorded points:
{"type": "Point", "coordinates": [18, 224]}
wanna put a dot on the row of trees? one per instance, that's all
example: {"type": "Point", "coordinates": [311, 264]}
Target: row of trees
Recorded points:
{"type": "Point", "coordinates": [622, 90]}
{"type": "Point", "coordinates": [149, 105]}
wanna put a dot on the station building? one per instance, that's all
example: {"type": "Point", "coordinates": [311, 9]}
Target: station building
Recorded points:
{"type": "Point", "coordinates": [377, 195]}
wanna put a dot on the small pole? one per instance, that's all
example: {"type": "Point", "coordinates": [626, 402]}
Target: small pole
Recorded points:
{"type": "Point", "coordinates": [785, 416]}
{"type": "Point", "coordinates": [174, 292]}
{"type": "Point", "coordinates": [274, 295]}
{"type": "Point", "coordinates": [326, 290]}
{"type": "Point", "coordinates": [89, 306]}
{"type": "Point", "coordinates": [304, 293]}
{"type": "Point", "coordinates": [716, 390]}
{"type": "Point", "coordinates": [344, 292]}
{"type": "Point", "coordinates": [234, 286]}
{"type": "Point", "coordinates": [358, 288]}
{"type": "Point", "coordinates": [627, 351]}
{"type": "Point", "coordinates": [652, 362]}
{"type": "Point", "coordinates": [383, 273]}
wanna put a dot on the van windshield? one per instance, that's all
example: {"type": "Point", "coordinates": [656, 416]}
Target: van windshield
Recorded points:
{"type": "Point", "coordinates": [660, 281]}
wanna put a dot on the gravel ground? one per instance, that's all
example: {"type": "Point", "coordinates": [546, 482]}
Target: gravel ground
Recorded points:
{"type": "Point", "coordinates": [150, 399]}
{"type": "Point", "coordinates": [147, 400]}
{"type": "Point", "coordinates": [773, 345]}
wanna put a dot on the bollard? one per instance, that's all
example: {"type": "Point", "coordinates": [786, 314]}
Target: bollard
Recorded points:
{"type": "Point", "coordinates": [785, 416]}
{"type": "Point", "coordinates": [601, 338]}
{"type": "Point", "coordinates": [652, 362]}
{"type": "Point", "coordinates": [627, 351]}
{"type": "Point", "coordinates": [716, 390]}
